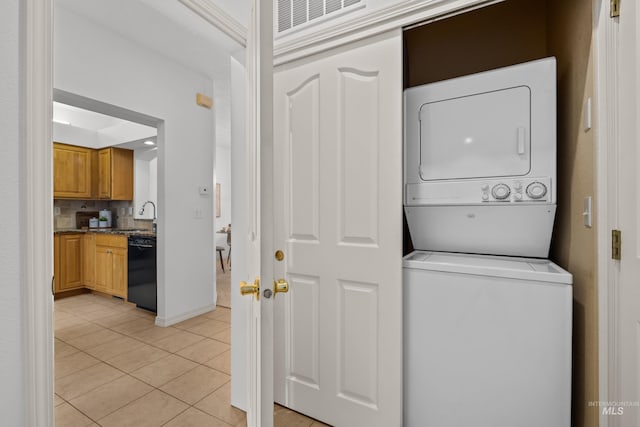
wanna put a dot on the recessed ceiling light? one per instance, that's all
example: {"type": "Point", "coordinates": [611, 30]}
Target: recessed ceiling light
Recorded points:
{"type": "Point", "coordinates": [62, 122]}
{"type": "Point", "coordinates": [149, 142]}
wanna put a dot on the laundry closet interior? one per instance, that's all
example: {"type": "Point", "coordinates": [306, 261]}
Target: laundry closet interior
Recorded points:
{"type": "Point", "coordinates": [514, 32]}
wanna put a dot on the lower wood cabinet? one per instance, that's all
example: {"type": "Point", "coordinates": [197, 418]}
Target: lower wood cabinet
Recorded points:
{"type": "Point", "coordinates": [68, 262]}
{"type": "Point", "coordinates": [111, 264]}
{"type": "Point", "coordinates": [90, 260]}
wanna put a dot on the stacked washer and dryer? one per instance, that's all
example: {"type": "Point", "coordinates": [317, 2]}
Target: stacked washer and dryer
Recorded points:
{"type": "Point", "coordinates": [487, 319]}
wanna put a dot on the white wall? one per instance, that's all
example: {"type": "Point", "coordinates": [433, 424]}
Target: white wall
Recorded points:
{"type": "Point", "coordinates": [92, 62]}
{"type": "Point", "coordinates": [223, 177]}
{"type": "Point", "coordinates": [11, 276]}
{"type": "Point", "coordinates": [145, 184]}
{"type": "Point", "coordinates": [222, 109]}
{"type": "Point", "coordinates": [153, 181]}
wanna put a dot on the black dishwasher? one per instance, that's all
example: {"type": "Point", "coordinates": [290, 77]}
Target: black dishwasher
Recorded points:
{"type": "Point", "coordinates": [142, 271]}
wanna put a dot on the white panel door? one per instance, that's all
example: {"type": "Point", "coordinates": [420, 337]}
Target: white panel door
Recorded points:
{"type": "Point", "coordinates": [627, 352]}
{"type": "Point", "coordinates": [338, 216]}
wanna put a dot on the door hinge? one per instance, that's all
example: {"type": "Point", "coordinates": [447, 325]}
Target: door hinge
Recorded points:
{"type": "Point", "coordinates": [615, 8]}
{"type": "Point", "coordinates": [616, 244]}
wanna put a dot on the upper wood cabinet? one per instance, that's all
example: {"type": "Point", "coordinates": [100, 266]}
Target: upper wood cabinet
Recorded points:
{"type": "Point", "coordinates": [71, 172]}
{"type": "Point", "coordinates": [85, 173]}
{"type": "Point", "coordinates": [115, 171]}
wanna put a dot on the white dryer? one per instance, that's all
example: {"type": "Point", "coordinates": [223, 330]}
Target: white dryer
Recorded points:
{"type": "Point", "coordinates": [480, 161]}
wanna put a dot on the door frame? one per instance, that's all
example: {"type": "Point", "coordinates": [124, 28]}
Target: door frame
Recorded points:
{"type": "Point", "coordinates": [607, 142]}
{"type": "Point", "coordinates": [37, 191]}
{"type": "Point", "coordinates": [36, 170]}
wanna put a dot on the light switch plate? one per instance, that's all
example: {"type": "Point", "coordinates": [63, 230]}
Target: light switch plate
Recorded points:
{"type": "Point", "coordinates": [587, 115]}
{"type": "Point", "coordinates": [586, 214]}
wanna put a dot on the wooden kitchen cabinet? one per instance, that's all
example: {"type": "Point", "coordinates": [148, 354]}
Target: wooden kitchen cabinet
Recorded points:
{"type": "Point", "coordinates": [85, 173]}
{"type": "Point", "coordinates": [89, 260]}
{"type": "Point", "coordinates": [72, 172]}
{"type": "Point", "coordinates": [111, 264]}
{"type": "Point", "coordinates": [56, 261]}
{"type": "Point", "coordinates": [119, 272]}
{"type": "Point", "coordinates": [104, 269]}
{"type": "Point", "coordinates": [68, 259]}
{"type": "Point", "coordinates": [115, 171]}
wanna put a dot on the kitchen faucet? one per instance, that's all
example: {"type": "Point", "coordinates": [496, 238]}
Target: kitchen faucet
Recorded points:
{"type": "Point", "coordinates": [155, 226]}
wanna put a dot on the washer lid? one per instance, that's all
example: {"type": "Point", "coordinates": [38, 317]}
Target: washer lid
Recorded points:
{"type": "Point", "coordinates": [540, 270]}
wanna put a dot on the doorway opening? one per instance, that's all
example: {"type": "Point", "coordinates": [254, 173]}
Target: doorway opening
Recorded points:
{"type": "Point", "coordinates": [113, 359]}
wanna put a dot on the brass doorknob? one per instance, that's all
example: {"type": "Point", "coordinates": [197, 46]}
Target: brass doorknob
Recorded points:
{"type": "Point", "coordinates": [281, 286]}
{"type": "Point", "coordinates": [251, 288]}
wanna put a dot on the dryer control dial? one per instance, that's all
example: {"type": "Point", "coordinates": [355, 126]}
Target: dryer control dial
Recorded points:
{"type": "Point", "coordinates": [536, 190]}
{"type": "Point", "coordinates": [500, 191]}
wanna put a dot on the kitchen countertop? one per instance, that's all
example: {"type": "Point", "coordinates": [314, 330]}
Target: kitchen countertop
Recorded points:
{"type": "Point", "coordinates": [125, 232]}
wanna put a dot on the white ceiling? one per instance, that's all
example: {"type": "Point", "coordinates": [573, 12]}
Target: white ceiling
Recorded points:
{"type": "Point", "coordinates": [106, 130]}
{"type": "Point", "coordinates": [166, 27]}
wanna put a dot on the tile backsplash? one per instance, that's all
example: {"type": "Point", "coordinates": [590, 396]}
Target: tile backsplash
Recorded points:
{"type": "Point", "coordinates": [65, 213]}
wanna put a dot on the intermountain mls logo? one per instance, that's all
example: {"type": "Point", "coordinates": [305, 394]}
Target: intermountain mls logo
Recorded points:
{"type": "Point", "coordinates": [613, 408]}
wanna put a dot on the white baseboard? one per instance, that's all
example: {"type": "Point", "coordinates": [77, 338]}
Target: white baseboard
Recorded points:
{"type": "Point", "coordinates": [168, 321]}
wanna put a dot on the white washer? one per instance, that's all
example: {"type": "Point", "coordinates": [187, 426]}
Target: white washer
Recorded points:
{"type": "Point", "coordinates": [487, 341]}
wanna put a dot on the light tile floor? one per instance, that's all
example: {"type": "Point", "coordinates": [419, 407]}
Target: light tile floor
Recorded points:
{"type": "Point", "coordinates": [114, 367]}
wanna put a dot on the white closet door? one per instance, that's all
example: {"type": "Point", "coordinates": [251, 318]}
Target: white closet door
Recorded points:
{"type": "Point", "coordinates": [338, 214]}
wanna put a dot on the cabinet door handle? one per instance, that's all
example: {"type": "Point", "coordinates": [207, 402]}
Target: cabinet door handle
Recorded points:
{"type": "Point", "coordinates": [53, 284]}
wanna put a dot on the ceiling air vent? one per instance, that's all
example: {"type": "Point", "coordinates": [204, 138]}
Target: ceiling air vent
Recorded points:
{"type": "Point", "coordinates": [294, 13]}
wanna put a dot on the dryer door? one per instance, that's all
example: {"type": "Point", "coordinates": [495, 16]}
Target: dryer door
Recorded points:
{"type": "Point", "coordinates": [478, 136]}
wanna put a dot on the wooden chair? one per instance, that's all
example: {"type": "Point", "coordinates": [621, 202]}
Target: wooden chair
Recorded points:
{"type": "Point", "coordinates": [219, 249]}
{"type": "Point", "coordinates": [229, 245]}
